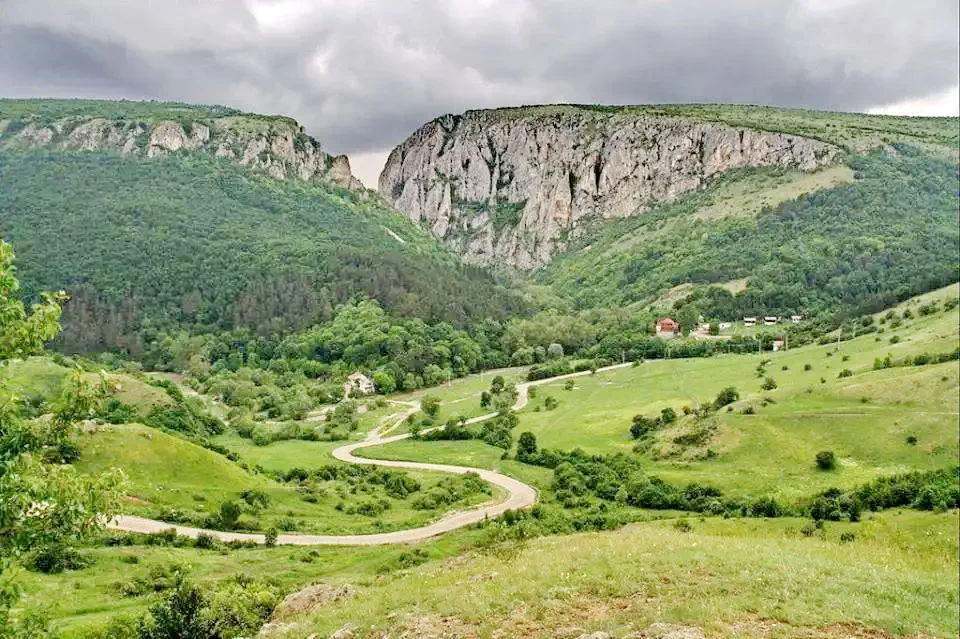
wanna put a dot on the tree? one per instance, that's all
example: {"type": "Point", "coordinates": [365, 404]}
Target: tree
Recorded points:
{"type": "Point", "coordinates": [687, 318]}
{"type": "Point", "coordinates": [384, 382]}
{"type": "Point", "coordinates": [496, 385]}
{"type": "Point", "coordinates": [430, 405]}
{"type": "Point", "coordinates": [555, 350]}
{"type": "Point", "coordinates": [769, 384]}
{"type": "Point", "coordinates": [485, 399]}
{"type": "Point", "coordinates": [180, 615]}
{"type": "Point", "coordinates": [668, 416]}
{"type": "Point", "coordinates": [526, 446]}
{"type": "Point", "coordinates": [43, 507]}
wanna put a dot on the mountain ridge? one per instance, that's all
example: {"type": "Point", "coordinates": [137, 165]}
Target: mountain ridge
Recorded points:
{"type": "Point", "coordinates": [512, 185]}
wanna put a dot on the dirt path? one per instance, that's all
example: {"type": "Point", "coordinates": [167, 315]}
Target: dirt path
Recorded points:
{"type": "Point", "coordinates": [519, 494]}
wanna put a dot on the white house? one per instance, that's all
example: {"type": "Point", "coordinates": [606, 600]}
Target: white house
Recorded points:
{"type": "Point", "coordinates": [749, 321]}
{"type": "Point", "coordinates": [777, 344]}
{"type": "Point", "coordinates": [770, 320]}
{"type": "Point", "coordinates": [357, 382]}
{"type": "Point", "coordinates": [796, 319]}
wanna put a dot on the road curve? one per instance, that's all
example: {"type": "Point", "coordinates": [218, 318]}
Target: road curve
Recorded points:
{"type": "Point", "coordinates": [519, 494]}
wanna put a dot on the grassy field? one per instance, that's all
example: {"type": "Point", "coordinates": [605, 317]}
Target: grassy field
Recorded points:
{"type": "Point", "coordinates": [864, 418]}
{"type": "Point", "coordinates": [166, 472]}
{"type": "Point", "coordinates": [731, 577]}
{"type": "Point", "coordinates": [734, 578]}
{"type": "Point", "coordinates": [40, 379]}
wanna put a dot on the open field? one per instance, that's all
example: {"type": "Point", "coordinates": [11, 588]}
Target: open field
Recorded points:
{"type": "Point", "coordinates": [865, 418]}
{"type": "Point", "coordinates": [743, 577]}
{"type": "Point", "coordinates": [168, 473]}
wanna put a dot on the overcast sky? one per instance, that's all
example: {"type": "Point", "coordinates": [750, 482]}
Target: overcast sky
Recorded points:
{"type": "Point", "coordinates": [361, 75]}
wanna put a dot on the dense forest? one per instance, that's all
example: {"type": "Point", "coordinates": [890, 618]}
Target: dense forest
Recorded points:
{"type": "Point", "coordinates": [187, 241]}
{"type": "Point", "coordinates": [891, 234]}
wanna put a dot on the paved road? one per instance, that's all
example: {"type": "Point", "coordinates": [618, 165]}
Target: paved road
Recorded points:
{"type": "Point", "coordinates": [519, 494]}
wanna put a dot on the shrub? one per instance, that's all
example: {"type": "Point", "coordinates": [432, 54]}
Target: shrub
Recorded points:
{"type": "Point", "coordinates": [205, 540]}
{"type": "Point", "coordinates": [826, 460]}
{"type": "Point", "coordinates": [228, 514]}
{"type": "Point", "coordinates": [270, 537]}
{"type": "Point", "coordinates": [845, 373]}
{"type": "Point", "coordinates": [847, 537]}
{"type": "Point", "coordinates": [683, 525]}
{"type": "Point", "coordinates": [768, 384]}
{"type": "Point", "coordinates": [430, 405]}
{"type": "Point", "coordinates": [56, 559]}
{"type": "Point", "coordinates": [912, 440]}
{"type": "Point", "coordinates": [668, 416]}
{"type": "Point", "coordinates": [568, 385]}
{"type": "Point", "coordinates": [808, 367]}
{"type": "Point", "coordinates": [727, 396]}
{"type": "Point", "coordinates": [895, 339]}
{"type": "Point", "coordinates": [549, 402]}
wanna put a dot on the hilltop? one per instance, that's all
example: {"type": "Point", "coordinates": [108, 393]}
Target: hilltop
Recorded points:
{"type": "Point", "coordinates": [142, 214]}
{"type": "Point", "coordinates": [276, 145]}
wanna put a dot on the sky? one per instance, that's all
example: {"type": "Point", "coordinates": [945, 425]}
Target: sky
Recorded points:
{"type": "Point", "coordinates": [362, 75]}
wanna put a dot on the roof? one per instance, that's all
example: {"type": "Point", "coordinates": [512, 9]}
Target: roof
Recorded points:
{"type": "Point", "coordinates": [357, 375]}
{"type": "Point", "coordinates": [666, 320]}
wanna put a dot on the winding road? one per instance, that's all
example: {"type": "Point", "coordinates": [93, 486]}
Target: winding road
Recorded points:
{"type": "Point", "coordinates": [519, 494]}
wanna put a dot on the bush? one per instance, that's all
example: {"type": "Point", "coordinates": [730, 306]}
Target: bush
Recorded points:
{"type": "Point", "coordinates": [727, 396]}
{"type": "Point", "coordinates": [912, 440]}
{"type": "Point", "coordinates": [549, 402]}
{"type": "Point", "coordinates": [205, 540]}
{"type": "Point", "coordinates": [769, 384]}
{"type": "Point", "coordinates": [228, 515]}
{"type": "Point", "coordinates": [270, 537]}
{"type": "Point", "coordinates": [826, 460]}
{"type": "Point", "coordinates": [430, 405]}
{"type": "Point", "coordinates": [845, 373]}
{"type": "Point", "coordinates": [568, 385]}
{"type": "Point", "coordinates": [56, 559]}
{"type": "Point", "coordinates": [668, 416]}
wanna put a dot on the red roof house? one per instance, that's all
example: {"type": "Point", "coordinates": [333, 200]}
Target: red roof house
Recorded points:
{"type": "Point", "coordinates": [667, 326]}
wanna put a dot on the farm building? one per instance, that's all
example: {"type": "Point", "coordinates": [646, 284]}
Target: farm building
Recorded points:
{"type": "Point", "coordinates": [666, 327]}
{"type": "Point", "coordinates": [357, 382]}
{"type": "Point", "coordinates": [777, 344]}
{"type": "Point", "coordinates": [749, 321]}
{"type": "Point", "coordinates": [796, 319]}
{"type": "Point", "coordinates": [770, 320]}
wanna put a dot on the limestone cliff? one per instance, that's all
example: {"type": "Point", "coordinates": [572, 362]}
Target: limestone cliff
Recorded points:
{"type": "Point", "coordinates": [276, 145]}
{"type": "Point", "coordinates": [509, 186]}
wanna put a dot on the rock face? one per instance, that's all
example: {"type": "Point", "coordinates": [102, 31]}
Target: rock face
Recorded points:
{"type": "Point", "coordinates": [276, 146]}
{"type": "Point", "coordinates": [510, 186]}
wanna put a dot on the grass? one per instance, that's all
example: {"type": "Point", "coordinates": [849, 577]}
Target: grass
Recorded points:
{"type": "Point", "coordinates": [42, 379]}
{"type": "Point", "coordinates": [864, 418]}
{"type": "Point", "coordinates": [166, 472]}
{"type": "Point", "coordinates": [731, 577]}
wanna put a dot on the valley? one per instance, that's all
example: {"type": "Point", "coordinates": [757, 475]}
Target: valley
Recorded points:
{"type": "Point", "coordinates": [579, 371]}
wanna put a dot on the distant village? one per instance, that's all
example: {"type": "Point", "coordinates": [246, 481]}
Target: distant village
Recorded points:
{"type": "Point", "coordinates": [668, 328]}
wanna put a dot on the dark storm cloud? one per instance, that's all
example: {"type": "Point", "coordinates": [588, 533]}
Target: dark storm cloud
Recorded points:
{"type": "Point", "coordinates": [362, 75]}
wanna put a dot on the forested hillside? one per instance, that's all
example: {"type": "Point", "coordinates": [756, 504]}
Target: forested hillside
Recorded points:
{"type": "Point", "coordinates": [187, 240]}
{"type": "Point", "coordinates": [848, 248]}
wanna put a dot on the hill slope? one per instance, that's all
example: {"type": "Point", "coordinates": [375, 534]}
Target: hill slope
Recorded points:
{"type": "Point", "coordinates": [188, 239]}
{"type": "Point", "coordinates": [816, 210]}
{"type": "Point", "coordinates": [513, 185]}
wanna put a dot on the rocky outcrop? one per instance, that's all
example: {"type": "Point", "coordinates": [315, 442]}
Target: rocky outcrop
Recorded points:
{"type": "Point", "coordinates": [510, 186]}
{"type": "Point", "coordinates": [277, 146]}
